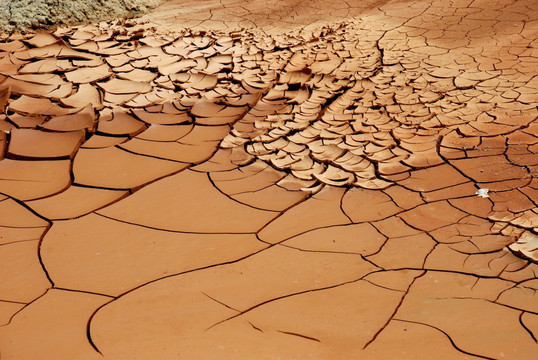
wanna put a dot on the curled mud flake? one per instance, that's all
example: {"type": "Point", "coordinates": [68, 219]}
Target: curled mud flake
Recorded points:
{"type": "Point", "coordinates": [86, 94]}
{"type": "Point", "coordinates": [46, 85]}
{"type": "Point", "coordinates": [35, 144]}
{"type": "Point", "coordinates": [526, 246]}
{"type": "Point", "coordinates": [122, 87]}
{"type": "Point", "coordinates": [84, 119]}
{"type": "Point", "coordinates": [36, 106]}
{"type": "Point", "coordinates": [162, 117]}
{"type": "Point", "coordinates": [5, 93]}
{"type": "Point", "coordinates": [88, 74]}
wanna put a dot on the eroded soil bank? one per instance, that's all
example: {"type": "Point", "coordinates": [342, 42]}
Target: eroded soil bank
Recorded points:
{"type": "Point", "coordinates": [25, 15]}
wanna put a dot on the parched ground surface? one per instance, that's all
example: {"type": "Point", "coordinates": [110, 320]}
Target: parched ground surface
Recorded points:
{"type": "Point", "coordinates": [283, 180]}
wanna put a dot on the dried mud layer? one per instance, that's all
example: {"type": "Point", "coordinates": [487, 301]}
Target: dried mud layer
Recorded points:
{"type": "Point", "coordinates": [360, 189]}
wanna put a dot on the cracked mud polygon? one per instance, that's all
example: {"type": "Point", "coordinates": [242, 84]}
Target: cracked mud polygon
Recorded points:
{"type": "Point", "coordinates": [273, 180]}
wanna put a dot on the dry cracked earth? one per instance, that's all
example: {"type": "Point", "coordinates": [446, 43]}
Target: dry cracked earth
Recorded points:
{"type": "Point", "coordinates": [273, 180]}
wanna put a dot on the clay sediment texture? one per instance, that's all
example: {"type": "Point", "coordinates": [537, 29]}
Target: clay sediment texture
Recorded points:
{"type": "Point", "coordinates": [233, 180]}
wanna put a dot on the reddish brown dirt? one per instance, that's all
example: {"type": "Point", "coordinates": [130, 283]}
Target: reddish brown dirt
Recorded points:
{"type": "Point", "coordinates": [302, 181]}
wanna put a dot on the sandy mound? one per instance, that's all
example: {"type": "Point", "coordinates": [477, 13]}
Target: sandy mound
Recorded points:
{"type": "Point", "coordinates": [30, 14]}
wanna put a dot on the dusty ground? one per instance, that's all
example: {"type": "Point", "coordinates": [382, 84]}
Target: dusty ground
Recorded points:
{"type": "Point", "coordinates": [23, 15]}
{"type": "Point", "coordinates": [314, 181]}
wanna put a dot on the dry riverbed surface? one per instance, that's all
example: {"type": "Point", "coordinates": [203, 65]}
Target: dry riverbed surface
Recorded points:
{"type": "Point", "coordinates": [273, 180]}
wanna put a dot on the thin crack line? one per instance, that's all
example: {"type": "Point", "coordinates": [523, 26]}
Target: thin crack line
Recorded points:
{"type": "Point", "coordinates": [448, 336]}
{"type": "Point", "coordinates": [394, 312]}
{"type": "Point", "coordinates": [284, 297]}
{"type": "Point", "coordinates": [526, 328]}
{"type": "Point", "coordinates": [235, 200]}
{"type": "Point", "coordinates": [220, 302]}
{"type": "Point", "coordinates": [299, 335]}
{"type": "Point", "coordinates": [88, 334]}
{"type": "Point", "coordinates": [171, 231]}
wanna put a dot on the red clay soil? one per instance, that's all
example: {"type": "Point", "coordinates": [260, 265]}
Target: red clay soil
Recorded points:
{"type": "Point", "coordinates": [279, 180]}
